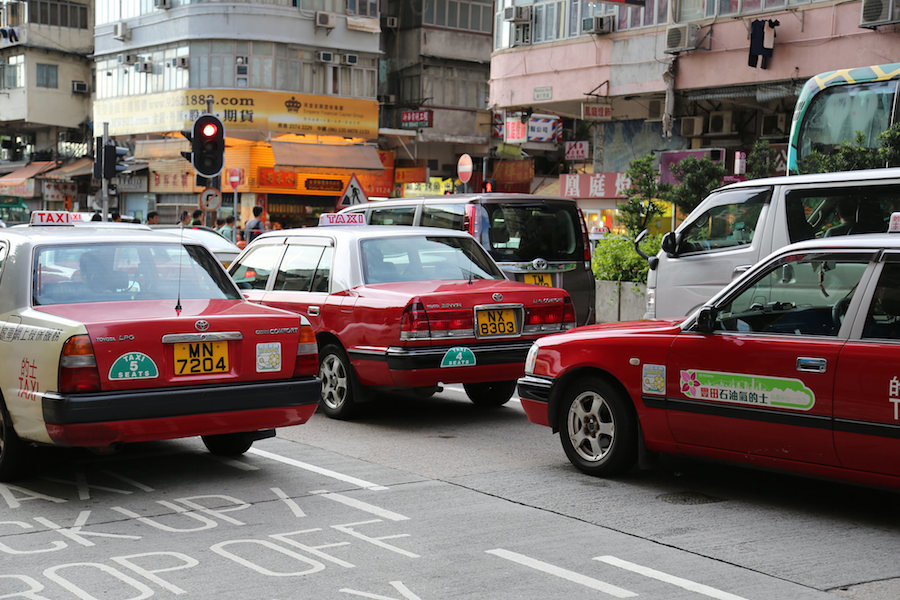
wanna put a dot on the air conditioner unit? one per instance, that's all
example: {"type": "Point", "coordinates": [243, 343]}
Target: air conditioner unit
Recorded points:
{"type": "Point", "coordinates": [879, 12]}
{"type": "Point", "coordinates": [655, 110]}
{"type": "Point", "coordinates": [774, 126]}
{"type": "Point", "coordinates": [517, 14]}
{"type": "Point", "coordinates": [325, 57]}
{"type": "Point", "coordinates": [720, 122]}
{"type": "Point", "coordinates": [128, 59]}
{"type": "Point", "coordinates": [120, 31]}
{"type": "Point", "coordinates": [350, 59]}
{"type": "Point", "coordinates": [182, 62]}
{"type": "Point", "coordinates": [240, 60]}
{"type": "Point", "coordinates": [389, 22]}
{"type": "Point", "coordinates": [388, 99]}
{"type": "Point", "coordinates": [162, 4]}
{"type": "Point", "coordinates": [681, 37]}
{"type": "Point", "coordinates": [79, 87]}
{"type": "Point", "coordinates": [522, 34]}
{"type": "Point", "coordinates": [597, 25]}
{"type": "Point", "coordinates": [325, 20]}
{"type": "Point", "coordinates": [691, 126]}
{"type": "Point", "coordinates": [145, 66]}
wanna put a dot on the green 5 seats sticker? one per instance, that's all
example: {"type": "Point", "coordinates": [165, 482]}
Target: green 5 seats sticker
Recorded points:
{"type": "Point", "coordinates": [754, 390]}
{"type": "Point", "coordinates": [133, 365]}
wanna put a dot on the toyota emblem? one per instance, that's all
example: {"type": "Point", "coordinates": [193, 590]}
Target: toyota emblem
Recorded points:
{"type": "Point", "coordinates": [497, 297]}
{"type": "Point", "coordinates": [539, 264]}
{"type": "Point", "coordinates": [201, 325]}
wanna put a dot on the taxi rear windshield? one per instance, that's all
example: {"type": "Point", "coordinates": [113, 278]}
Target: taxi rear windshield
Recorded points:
{"type": "Point", "coordinates": [523, 232]}
{"type": "Point", "coordinates": [423, 258]}
{"type": "Point", "coordinates": [71, 273]}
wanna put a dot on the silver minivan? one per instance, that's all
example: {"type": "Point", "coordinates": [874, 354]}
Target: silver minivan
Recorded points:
{"type": "Point", "coordinates": [740, 224]}
{"type": "Point", "coordinates": [535, 239]}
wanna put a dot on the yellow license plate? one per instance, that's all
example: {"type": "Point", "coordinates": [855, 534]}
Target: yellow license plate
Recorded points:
{"type": "Point", "coordinates": [544, 279]}
{"type": "Point", "coordinates": [196, 358]}
{"type": "Point", "coordinates": [496, 322]}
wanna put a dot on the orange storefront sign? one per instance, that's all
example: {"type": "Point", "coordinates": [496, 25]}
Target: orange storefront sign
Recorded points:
{"type": "Point", "coordinates": [514, 171]}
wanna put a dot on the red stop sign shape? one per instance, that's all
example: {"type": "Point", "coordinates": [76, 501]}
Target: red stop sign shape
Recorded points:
{"type": "Point", "coordinates": [464, 168]}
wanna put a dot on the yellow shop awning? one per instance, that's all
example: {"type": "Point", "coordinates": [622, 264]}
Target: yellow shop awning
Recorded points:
{"type": "Point", "coordinates": [292, 156]}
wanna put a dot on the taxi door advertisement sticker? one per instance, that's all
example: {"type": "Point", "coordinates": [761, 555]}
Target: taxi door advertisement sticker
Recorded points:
{"type": "Point", "coordinates": [268, 357]}
{"type": "Point", "coordinates": [753, 390]}
{"type": "Point", "coordinates": [133, 365]}
{"type": "Point", "coordinates": [653, 379]}
{"type": "Point", "coordinates": [458, 356]}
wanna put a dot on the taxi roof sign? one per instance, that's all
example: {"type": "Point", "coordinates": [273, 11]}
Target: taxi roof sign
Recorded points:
{"type": "Point", "coordinates": [894, 226]}
{"type": "Point", "coordinates": [342, 219]}
{"type": "Point", "coordinates": [54, 217]}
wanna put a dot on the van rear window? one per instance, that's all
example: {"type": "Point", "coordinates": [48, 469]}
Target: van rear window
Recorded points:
{"type": "Point", "coordinates": [523, 232]}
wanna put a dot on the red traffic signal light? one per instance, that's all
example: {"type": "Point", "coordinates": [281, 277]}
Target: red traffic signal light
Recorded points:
{"type": "Point", "coordinates": [208, 145]}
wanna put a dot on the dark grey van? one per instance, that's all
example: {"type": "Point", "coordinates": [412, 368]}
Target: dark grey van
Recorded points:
{"type": "Point", "coordinates": [536, 239]}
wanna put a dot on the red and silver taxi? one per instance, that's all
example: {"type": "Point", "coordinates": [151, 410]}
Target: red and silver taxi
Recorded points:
{"type": "Point", "coordinates": [402, 308]}
{"type": "Point", "coordinates": [122, 335]}
{"type": "Point", "coordinates": [795, 366]}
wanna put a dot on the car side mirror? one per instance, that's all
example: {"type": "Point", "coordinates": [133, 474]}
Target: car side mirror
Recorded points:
{"type": "Point", "coordinates": [670, 243]}
{"type": "Point", "coordinates": [706, 319]}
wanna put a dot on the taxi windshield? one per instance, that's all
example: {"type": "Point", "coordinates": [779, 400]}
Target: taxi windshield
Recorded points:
{"type": "Point", "coordinates": [111, 272]}
{"type": "Point", "coordinates": [425, 258]}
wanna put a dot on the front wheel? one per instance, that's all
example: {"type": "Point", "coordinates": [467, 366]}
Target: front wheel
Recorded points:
{"type": "Point", "coordinates": [491, 393]}
{"type": "Point", "coordinates": [228, 444]}
{"type": "Point", "coordinates": [597, 428]}
{"type": "Point", "coordinates": [12, 449]}
{"type": "Point", "coordinates": [340, 391]}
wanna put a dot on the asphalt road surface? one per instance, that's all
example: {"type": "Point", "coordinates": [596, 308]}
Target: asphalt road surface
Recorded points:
{"type": "Point", "coordinates": [432, 499]}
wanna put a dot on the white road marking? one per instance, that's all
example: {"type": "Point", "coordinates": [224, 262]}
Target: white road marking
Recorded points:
{"type": "Point", "coordinates": [321, 471]}
{"type": "Point", "coordinates": [295, 508]}
{"type": "Point", "coordinates": [590, 582]}
{"type": "Point", "coordinates": [691, 586]}
{"type": "Point", "coordinates": [364, 506]}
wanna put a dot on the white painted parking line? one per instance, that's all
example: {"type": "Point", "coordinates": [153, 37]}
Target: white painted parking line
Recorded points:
{"type": "Point", "coordinates": [590, 582]}
{"type": "Point", "coordinates": [368, 485]}
{"type": "Point", "coordinates": [363, 506]}
{"type": "Point", "coordinates": [687, 584]}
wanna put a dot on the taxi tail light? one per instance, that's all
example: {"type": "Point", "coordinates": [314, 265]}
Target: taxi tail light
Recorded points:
{"type": "Point", "coordinates": [307, 362]}
{"type": "Point", "coordinates": [78, 371]}
{"type": "Point", "coordinates": [444, 323]}
{"type": "Point", "coordinates": [414, 322]}
{"type": "Point", "coordinates": [585, 239]}
{"type": "Point", "coordinates": [471, 221]}
{"type": "Point", "coordinates": [568, 314]}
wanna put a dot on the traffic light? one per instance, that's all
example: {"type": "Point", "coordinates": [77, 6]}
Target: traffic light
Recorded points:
{"type": "Point", "coordinates": [108, 159]}
{"type": "Point", "coordinates": [207, 137]}
{"type": "Point", "coordinates": [489, 185]}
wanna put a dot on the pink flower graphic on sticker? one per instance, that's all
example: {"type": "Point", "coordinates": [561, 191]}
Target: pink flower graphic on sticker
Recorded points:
{"type": "Point", "coordinates": [689, 383]}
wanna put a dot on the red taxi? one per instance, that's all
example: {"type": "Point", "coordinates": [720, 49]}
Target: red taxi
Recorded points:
{"type": "Point", "coordinates": [122, 335]}
{"type": "Point", "coordinates": [402, 308]}
{"type": "Point", "coordinates": [792, 366]}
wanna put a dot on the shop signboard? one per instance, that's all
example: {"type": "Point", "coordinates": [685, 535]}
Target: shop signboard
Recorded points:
{"type": "Point", "coordinates": [594, 185]}
{"type": "Point", "coordinates": [416, 119]}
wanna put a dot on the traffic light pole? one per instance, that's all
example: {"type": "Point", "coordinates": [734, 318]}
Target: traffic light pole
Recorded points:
{"type": "Point", "coordinates": [104, 182]}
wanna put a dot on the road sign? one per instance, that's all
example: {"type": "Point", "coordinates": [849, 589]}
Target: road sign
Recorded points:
{"type": "Point", "coordinates": [352, 194]}
{"type": "Point", "coordinates": [464, 168]}
{"type": "Point", "coordinates": [235, 178]}
{"type": "Point", "coordinates": [210, 199]}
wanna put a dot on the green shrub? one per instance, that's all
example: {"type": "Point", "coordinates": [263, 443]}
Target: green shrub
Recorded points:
{"type": "Point", "coordinates": [614, 258]}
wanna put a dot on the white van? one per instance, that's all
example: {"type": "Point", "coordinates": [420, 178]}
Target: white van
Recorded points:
{"type": "Point", "coordinates": [739, 224]}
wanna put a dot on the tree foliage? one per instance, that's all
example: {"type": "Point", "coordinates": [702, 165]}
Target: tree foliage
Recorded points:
{"type": "Point", "coordinates": [614, 258]}
{"type": "Point", "coordinates": [762, 160]}
{"type": "Point", "coordinates": [642, 196]}
{"type": "Point", "coordinates": [696, 179]}
{"type": "Point", "coordinates": [855, 155]}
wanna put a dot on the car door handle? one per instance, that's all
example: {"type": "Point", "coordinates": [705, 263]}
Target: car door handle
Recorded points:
{"type": "Point", "coordinates": [739, 270]}
{"type": "Point", "coordinates": [811, 365]}
{"type": "Point", "coordinates": [313, 311]}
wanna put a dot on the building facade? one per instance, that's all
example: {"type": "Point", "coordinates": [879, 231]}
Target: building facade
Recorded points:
{"type": "Point", "coordinates": [673, 76]}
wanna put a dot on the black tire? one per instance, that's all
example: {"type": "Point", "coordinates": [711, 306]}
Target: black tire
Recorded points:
{"type": "Point", "coordinates": [228, 444]}
{"type": "Point", "coordinates": [13, 450]}
{"type": "Point", "coordinates": [490, 393]}
{"type": "Point", "coordinates": [340, 389]}
{"type": "Point", "coordinates": [597, 427]}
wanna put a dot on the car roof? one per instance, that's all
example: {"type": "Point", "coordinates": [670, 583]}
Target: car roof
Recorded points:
{"type": "Point", "coordinates": [467, 198]}
{"type": "Point", "coordinates": [868, 175]}
{"type": "Point", "coordinates": [351, 232]}
{"type": "Point", "coordinates": [81, 233]}
{"type": "Point", "coordinates": [862, 241]}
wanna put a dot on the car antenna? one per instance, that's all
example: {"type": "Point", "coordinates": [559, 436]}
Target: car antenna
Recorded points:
{"type": "Point", "coordinates": [182, 251]}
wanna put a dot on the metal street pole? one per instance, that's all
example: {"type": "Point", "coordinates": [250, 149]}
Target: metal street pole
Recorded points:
{"type": "Point", "coordinates": [104, 182]}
